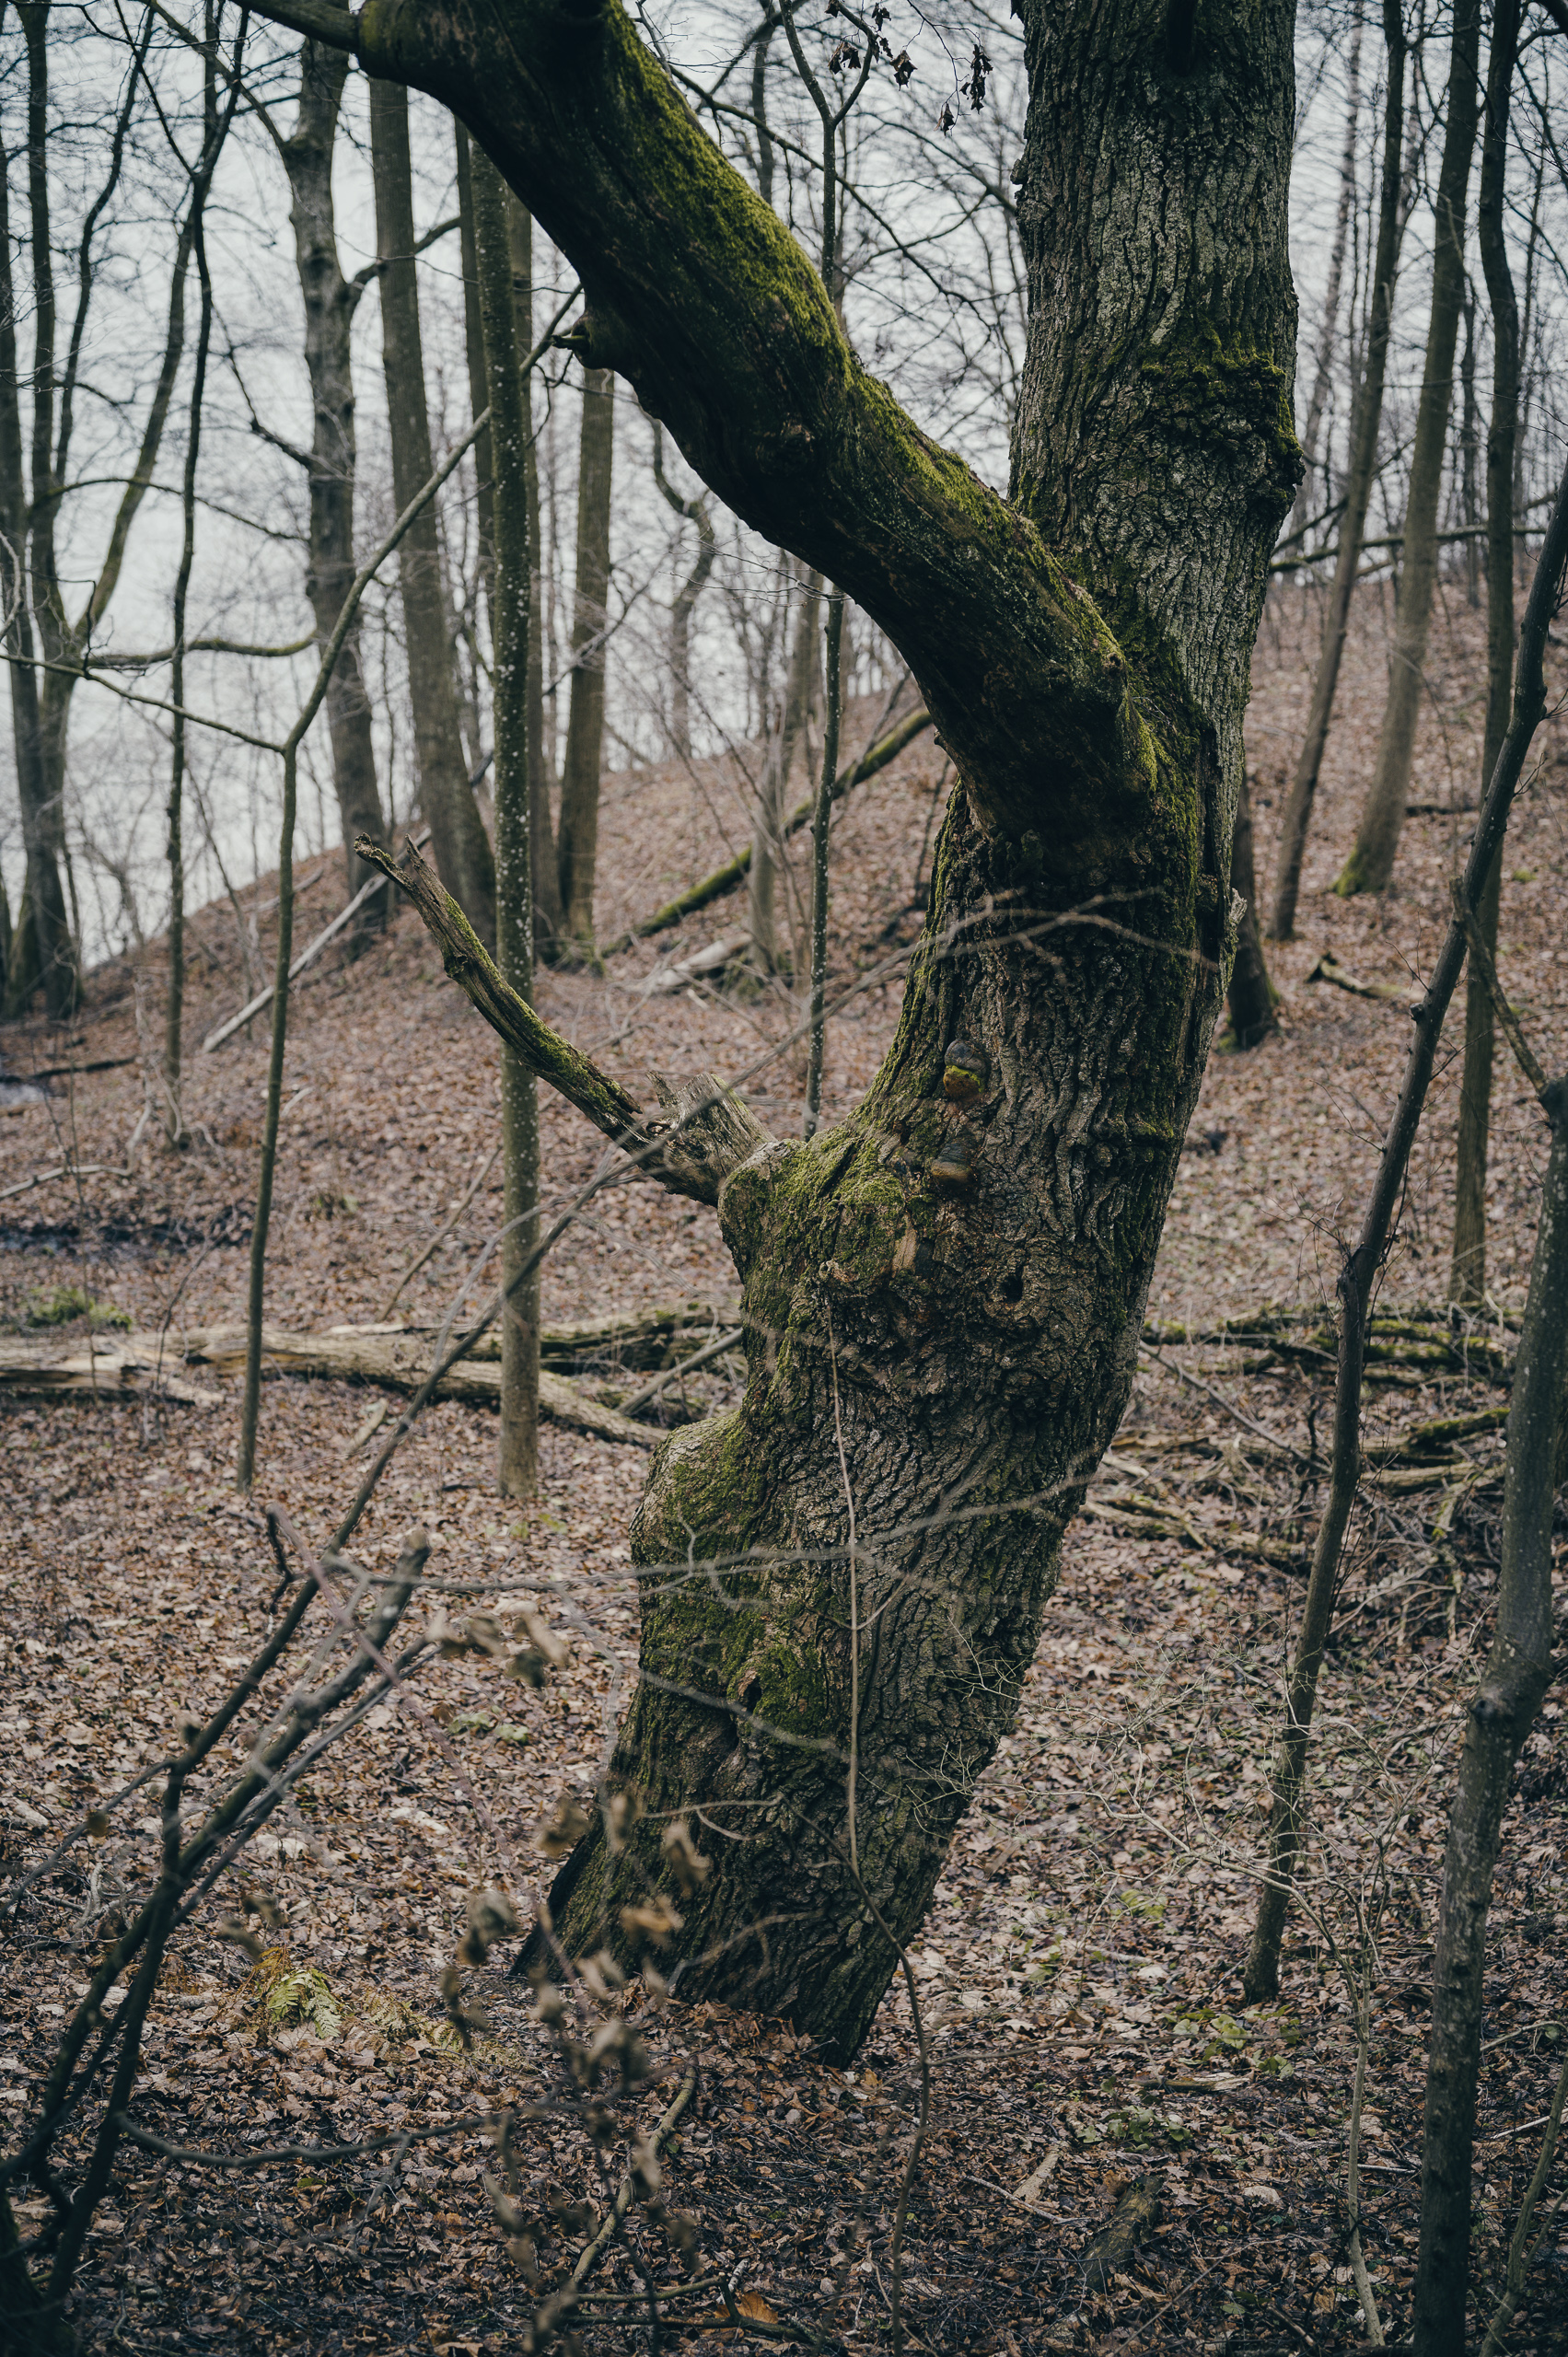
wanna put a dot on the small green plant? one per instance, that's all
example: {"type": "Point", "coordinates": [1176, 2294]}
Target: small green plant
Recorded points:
{"type": "Point", "coordinates": [65, 1303]}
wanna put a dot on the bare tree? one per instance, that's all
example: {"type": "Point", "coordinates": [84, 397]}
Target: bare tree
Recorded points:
{"type": "Point", "coordinates": [1365, 419]}
{"type": "Point", "coordinates": [462, 848]}
{"type": "Point", "coordinates": [510, 435]}
{"type": "Point", "coordinates": [577, 854]}
{"type": "Point", "coordinates": [695, 511]}
{"type": "Point", "coordinates": [1371, 863]}
{"type": "Point", "coordinates": [1328, 327]}
{"type": "Point", "coordinates": [46, 643]}
{"type": "Point", "coordinates": [331, 301]}
{"type": "Point", "coordinates": [1467, 1271]}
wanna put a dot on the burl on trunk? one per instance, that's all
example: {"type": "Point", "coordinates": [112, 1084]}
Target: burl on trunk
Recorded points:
{"type": "Point", "coordinates": [843, 1581]}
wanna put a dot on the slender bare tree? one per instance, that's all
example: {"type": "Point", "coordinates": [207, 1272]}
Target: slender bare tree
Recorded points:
{"type": "Point", "coordinates": [462, 847]}
{"type": "Point", "coordinates": [1370, 866]}
{"type": "Point", "coordinates": [577, 852]}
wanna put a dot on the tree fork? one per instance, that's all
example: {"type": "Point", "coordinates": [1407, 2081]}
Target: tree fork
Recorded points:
{"type": "Point", "coordinates": [964, 1261]}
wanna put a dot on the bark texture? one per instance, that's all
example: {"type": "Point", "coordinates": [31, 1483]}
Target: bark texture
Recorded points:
{"type": "Point", "coordinates": [950, 1359]}
{"type": "Point", "coordinates": [1366, 422]}
{"type": "Point", "coordinates": [462, 848]}
{"type": "Point", "coordinates": [331, 301]}
{"type": "Point", "coordinates": [1370, 866]}
{"type": "Point", "coordinates": [1467, 1273]}
{"type": "Point", "coordinates": [578, 850]}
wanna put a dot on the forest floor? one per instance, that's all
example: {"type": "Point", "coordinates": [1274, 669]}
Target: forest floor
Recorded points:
{"type": "Point", "coordinates": [1077, 1975]}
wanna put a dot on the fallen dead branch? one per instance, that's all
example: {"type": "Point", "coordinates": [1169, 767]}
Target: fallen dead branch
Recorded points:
{"type": "Point", "coordinates": [400, 1359]}
{"type": "Point", "coordinates": [1329, 970]}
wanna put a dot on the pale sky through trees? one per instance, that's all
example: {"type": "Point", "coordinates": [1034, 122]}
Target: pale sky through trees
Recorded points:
{"type": "Point", "coordinates": [934, 302]}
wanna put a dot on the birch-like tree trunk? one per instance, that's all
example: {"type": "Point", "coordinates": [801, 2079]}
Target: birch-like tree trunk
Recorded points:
{"type": "Point", "coordinates": [948, 1357]}
{"type": "Point", "coordinates": [462, 847]}
{"type": "Point", "coordinates": [1370, 866]}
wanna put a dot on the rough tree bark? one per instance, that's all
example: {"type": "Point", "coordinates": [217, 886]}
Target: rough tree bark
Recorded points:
{"type": "Point", "coordinates": [953, 1358]}
{"type": "Point", "coordinates": [1467, 1271]}
{"type": "Point", "coordinates": [577, 854]}
{"type": "Point", "coordinates": [462, 847]}
{"type": "Point", "coordinates": [1513, 1684]}
{"type": "Point", "coordinates": [331, 301]}
{"type": "Point", "coordinates": [509, 438]}
{"type": "Point", "coordinates": [1371, 863]}
{"type": "Point", "coordinates": [1366, 422]}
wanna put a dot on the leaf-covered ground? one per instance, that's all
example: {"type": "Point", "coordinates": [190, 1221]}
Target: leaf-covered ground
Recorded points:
{"type": "Point", "coordinates": [1077, 1975]}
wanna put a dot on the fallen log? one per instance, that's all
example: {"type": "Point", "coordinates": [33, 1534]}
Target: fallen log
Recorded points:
{"type": "Point", "coordinates": [113, 1369]}
{"type": "Point", "coordinates": [396, 1358]}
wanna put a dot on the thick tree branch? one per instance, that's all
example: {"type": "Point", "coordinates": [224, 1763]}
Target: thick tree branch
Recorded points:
{"type": "Point", "coordinates": [703, 1130]}
{"type": "Point", "coordinates": [704, 300]}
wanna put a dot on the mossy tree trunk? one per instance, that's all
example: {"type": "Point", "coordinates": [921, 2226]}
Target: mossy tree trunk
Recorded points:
{"type": "Point", "coordinates": [950, 1357]}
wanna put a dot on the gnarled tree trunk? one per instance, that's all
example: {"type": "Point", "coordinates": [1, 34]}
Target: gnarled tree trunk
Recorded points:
{"type": "Point", "coordinates": [947, 1356]}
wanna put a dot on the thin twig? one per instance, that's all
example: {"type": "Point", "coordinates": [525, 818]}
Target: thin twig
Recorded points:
{"type": "Point", "coordinates": [596, 2250]}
